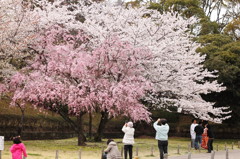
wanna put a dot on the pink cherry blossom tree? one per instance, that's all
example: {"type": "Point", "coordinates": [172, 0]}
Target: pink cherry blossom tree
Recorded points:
{"type": "Point", "coordinates": [107, 78]}
{"type": "Point", "coordinates": [20, 23]}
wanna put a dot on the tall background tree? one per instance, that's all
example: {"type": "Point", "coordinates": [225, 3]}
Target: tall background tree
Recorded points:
{"type": "Point", "coordinates": [218, 33]}
{"type": "Point", "coordinates": [18, 27]}
{"type": "Point", "coordinates": [175, 68]}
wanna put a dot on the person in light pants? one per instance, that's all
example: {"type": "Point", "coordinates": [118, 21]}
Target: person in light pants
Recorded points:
{"type": "Point", "coordinates": [192, 132]}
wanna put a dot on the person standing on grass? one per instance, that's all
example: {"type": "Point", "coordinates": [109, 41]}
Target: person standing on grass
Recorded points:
{"type": "Point", "coordinates": [192, 132]}
{"type": "Point", "coordinates": [128, 139]}
{"type": "Point", "coordinates": [162, 136]}
{"type": "Point", "coordinates": [18, 148]}
{"type": "Point", "coordinates": [204, 137]}
{"type": "Point", "coordinates": [199, 131]}
{"type": "Point", "coordinates": [210, 138]}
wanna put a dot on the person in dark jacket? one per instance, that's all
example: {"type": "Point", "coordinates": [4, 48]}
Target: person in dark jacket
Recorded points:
{"type": "Point", "coordinates": [199, 131]}
{"type": "Point", "coordinates": [210, 138]}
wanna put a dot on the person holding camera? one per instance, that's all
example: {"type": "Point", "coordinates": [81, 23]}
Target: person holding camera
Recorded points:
{"type": "Point", "coordinates": [162, 136]}
{"type": "Point", "coordinates": [128, 139]}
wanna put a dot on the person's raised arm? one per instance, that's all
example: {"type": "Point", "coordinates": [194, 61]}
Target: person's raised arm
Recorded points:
{"type": "Point", "coordinates": [155, 124]}
{"type": "Point", "coordinates": [124, 128]}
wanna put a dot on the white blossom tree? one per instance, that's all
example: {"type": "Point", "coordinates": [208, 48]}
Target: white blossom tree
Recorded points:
{"type": "Point", "coordinates": [175, 69]}
{"type": "Point", "coordinates": [18, 26]}
{"type": "Point", "coordinates": [20, 23]}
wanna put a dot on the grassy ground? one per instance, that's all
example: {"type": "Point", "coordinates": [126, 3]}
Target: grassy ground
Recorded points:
{"type": "Point", "coordinates": [46, 149]}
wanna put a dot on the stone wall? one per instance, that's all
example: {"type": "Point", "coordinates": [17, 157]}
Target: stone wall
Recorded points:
{"type": "Point", "coordinates": [41, 127]}
{"type": "Point", "coordinates": [38, 127]}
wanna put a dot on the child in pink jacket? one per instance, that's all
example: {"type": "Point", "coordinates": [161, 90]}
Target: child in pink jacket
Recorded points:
{"type": "Point", "coordinates": [18, 148]}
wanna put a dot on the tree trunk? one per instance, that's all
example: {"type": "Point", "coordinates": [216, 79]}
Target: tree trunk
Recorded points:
{"type": "Point", "coordinates": [90, 126]}
{"type": "Point", "coordinates": [104, 119]}
{"type": "Point", "coordinates": [20, 127]}
{"type": "Point", "coordinates": [81, 136]}
{"type": "Point", "coordinates": [76, 126]}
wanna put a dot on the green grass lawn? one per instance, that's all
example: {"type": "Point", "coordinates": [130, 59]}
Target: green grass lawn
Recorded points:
{"type": "Point", "coordinates": [46, 149]}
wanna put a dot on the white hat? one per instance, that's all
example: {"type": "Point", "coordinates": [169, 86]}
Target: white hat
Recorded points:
{"type": "Point", "coordinates": [130, 124]}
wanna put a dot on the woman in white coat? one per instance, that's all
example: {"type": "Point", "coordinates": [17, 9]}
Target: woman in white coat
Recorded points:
{"type": "Point", "coordinates": [128, 139]}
